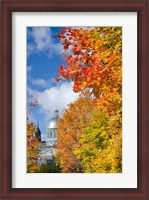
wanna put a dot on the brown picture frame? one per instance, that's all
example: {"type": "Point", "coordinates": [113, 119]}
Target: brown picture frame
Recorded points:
{"type": "Point", "coordinates": [10, 6]}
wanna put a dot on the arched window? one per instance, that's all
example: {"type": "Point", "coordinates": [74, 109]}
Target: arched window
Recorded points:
{"type": "Point", "coordinates": [50, 134]}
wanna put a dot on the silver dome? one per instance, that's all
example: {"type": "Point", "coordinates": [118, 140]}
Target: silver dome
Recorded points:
{"type": "Point", "coordinates": [52, 123]}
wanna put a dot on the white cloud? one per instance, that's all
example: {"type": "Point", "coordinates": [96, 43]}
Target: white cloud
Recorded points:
{"type": "Point", "coordinates": [31, 92]}
{"type": "Point", "coordinates": [56, 98]}
{"type": "Point", "coordinates": [42, 41]}
{"type": "Point", "coordinates": [30, 49]}
{"type": "Point", "coordinates": [31, 118]}
{"type": "Point", "coordinates": [39, 82]}
{"type": "Point", "coordinates": [42, 37]}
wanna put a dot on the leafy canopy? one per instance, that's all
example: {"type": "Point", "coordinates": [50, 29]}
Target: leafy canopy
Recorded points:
{"type": "Point", "coordinates": [90, 132]}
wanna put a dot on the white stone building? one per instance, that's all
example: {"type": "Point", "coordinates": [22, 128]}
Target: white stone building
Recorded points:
{"type": "Point", "coordinates": [47, 147]}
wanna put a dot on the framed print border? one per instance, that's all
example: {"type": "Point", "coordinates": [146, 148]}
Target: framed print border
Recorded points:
{"type": "Point", "coordinates": [10, 6]}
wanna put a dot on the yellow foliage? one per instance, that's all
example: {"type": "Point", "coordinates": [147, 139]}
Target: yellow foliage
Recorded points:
{"type": "Point", "coordinates": [32, 149]}
{"type": "Point", "coordinates": [90, 133]}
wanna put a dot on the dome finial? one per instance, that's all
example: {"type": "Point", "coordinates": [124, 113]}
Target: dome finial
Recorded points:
{"type": "Point", "coordinates": [56, 113]}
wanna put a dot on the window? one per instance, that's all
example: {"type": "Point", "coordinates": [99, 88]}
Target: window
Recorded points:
{"type": "Point", "coordinates": [50, 134]}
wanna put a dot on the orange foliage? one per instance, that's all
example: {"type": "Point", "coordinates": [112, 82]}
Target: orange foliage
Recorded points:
{"type": "Point", "coordinates": [32, 143]}
{"type": "Point", "coordinates": [93, 61]}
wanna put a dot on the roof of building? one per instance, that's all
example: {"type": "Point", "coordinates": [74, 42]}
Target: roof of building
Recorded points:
{"type": "Point", "coordinates": [37, 131]}
{"type": "Point", "coordinates": [52, 122]}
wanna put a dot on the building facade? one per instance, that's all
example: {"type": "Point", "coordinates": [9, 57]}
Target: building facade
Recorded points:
{"type": "Point", "coordinates": [47, 148]}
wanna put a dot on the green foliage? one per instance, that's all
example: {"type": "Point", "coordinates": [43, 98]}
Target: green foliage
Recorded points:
{"type": "Point", "coordinates": [69, 129]}
{"type": "Point", "coordinates": [49, 168]}
{"type": "Point", "coordinates": [89, 139]}
{"type": "Point", "coordinates": [100, 148]}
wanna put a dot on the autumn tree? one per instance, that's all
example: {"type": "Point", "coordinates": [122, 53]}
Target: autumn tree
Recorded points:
{"type": "Point", "coordinates": [85, 141]}
{"type": "Point", "coordinates": [100, 149]}
{"type": "Point", "coordinates": [69, 129]}
{"type": "Point", "coordinates": [32, 142]}
{"type": "Point", "coordinates": [94, 61]}
{"type": "Point", "coordinates": [95, 58]}
{"type": "Point", "coordinates": [49, 168]}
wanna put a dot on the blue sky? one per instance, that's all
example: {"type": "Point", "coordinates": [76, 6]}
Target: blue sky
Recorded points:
{"type": "Point", "coordinates": [44, 56]}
